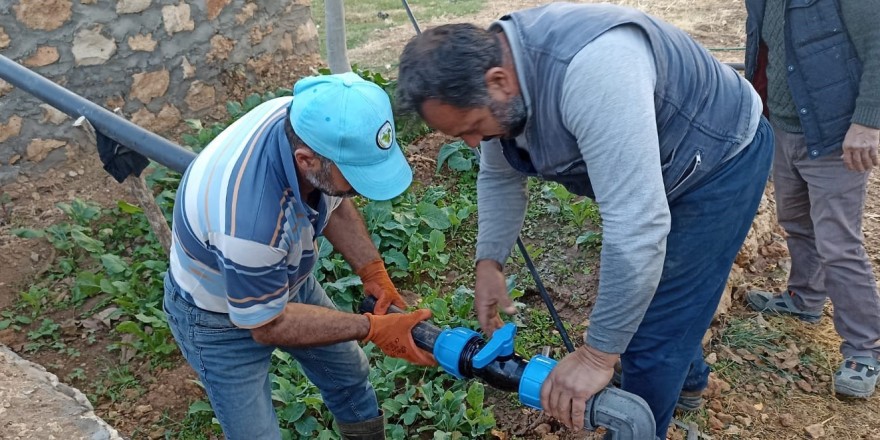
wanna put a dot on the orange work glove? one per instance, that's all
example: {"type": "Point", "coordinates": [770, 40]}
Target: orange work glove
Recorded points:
{"type": "Point", "coordinates": [378, 284]}
{"type": "Point", "coordinates": [392, 334]}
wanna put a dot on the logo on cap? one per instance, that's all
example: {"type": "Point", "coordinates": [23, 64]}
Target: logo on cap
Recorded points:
{"type": "Point", "coordinates": [385, 136]}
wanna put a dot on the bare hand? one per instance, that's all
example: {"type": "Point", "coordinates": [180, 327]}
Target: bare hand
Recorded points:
{"type": "Point", "coordinates": [490, 294]}
{"type": "Point", "coordinates": [860, 148]}
{"type": "Point", "coordinates": [572, 382]}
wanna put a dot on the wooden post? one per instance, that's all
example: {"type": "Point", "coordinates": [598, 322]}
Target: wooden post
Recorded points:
{"type": "Point", "coordinates": [139, 189]}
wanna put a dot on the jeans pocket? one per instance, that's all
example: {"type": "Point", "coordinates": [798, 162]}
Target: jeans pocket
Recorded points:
{"type": "Point", "coordinates": [212, 323]}
{"type": "Point", "coordinates": [169, 313]}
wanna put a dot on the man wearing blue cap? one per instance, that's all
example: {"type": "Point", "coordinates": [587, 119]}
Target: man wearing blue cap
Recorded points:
{"type": "Point", "coordinates": [240, 283]}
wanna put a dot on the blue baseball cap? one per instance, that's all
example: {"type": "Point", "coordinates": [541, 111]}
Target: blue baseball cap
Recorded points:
{"type": "Point", "coordinates": [349, 121]}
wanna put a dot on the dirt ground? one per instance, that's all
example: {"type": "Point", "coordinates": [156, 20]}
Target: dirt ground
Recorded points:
{"type": "Point", "coordinates": [166, 393]}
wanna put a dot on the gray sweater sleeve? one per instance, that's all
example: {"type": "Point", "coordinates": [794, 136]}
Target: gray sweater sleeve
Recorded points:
{"type": "Point", "coordinates": [608, 104]}
{"type": "Point", "coordinates": [862, 18]}
{"type": "Point", "coordinates": [501, 204]}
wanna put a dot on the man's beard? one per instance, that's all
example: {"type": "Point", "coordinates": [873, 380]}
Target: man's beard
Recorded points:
{"type": "Point", "coordinates": [511, 116]}
{"type": "Point", "coordinates": [322, 180]}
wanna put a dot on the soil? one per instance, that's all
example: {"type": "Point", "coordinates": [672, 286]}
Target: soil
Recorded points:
{"type": "Point", "coordinates": [166, 392]}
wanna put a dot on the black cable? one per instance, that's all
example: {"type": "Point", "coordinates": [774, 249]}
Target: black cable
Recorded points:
{"type": "Point", "coordinates": [545, 296]}
{"type": "Point", "coordinates": [412, 18]}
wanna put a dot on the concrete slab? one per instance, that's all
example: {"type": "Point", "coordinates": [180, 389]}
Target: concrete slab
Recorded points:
{"type": "Point", "coordinates": [34, 405]}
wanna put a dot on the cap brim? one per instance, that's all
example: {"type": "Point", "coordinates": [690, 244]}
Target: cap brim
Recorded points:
{"type": "Point", "coordinates": [380, 181]}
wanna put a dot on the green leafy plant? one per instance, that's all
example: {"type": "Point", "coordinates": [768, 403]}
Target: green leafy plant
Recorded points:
{"type": "Point", "coordinates": [458, 156]}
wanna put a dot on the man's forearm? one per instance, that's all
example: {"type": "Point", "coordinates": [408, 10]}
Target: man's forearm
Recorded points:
{"type": "Point", "coordinates": [306, 325]}
{"type": "Point", "coordinates": [348, 234]}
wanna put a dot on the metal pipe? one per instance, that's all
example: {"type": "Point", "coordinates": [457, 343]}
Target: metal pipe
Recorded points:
{"type": "Point", "coordinates": [126, 133]}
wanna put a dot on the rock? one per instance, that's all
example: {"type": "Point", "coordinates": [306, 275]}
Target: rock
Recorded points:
{"type": "Point", "coordinates": [200, 96]}
{"type": "Point", "coordinates": [142, 42]}
{"type": "Point", "coordinates": [38, 149]}
{"type": "Point", "coordinates": [11, 128]}
{"type": "Point", "coordinates": [46, 15]}
{"type": "Point", "coordinates": [4, 38]}
{"type": "Point", "coordinates": [132, 6]}
{"type": "Point", "coordinates": [725, 418]}
{"type": "Point", "coordinates": [141, 410]}
{"type": "Point", "coordinates": [90, 47]}
{"type": "Point", "coordinates": [815, 431]}
{"type": "Point", "coordinates": [543, 429]}
{"type": "Point", "coordinates": [215, 7]}
{"type": "Point", "coordinates": [177, 18]}
{"type": "Point", "coordinates": [804, 386]}
{"type": "Point", "coordinates": [149, 85]}
{"type": "Point", "coordinates": [52, 115]}
{"type": "Point", "coordinates": [44, 56]}
{"type": "Point", "coordinates": [712, 358]}
{"type": "Point", "coordinates": [786, 420]}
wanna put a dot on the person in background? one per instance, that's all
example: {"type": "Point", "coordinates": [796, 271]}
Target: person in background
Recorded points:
{"type": "Point", "coordinates": [817, 66]}
{"type": "Point", "coordinates": [240, 284]}
{"type": "Point", "coordinates": [624, 108]}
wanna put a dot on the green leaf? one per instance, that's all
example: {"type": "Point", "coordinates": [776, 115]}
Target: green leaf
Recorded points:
{"type": "Point", "coordinates": [293, 412]}
{"type": "Point", "coordinates": [86, 285]}
{"type": "Point", "coordinates": [129, 327]}
{"type": "Point", "coordinates": [194, 124]}
{"type": "Point", "coordinates": [28, 233]}
{"type": "Point", "coordinates": [446, 152]}
{"type": "Point", "coordinates": [392, 406]}
{"type": "Point", "coordinates": [128, 208]}
{"type": "Point", "coordinates": [199, 406]}
{"type": "Point", "coordinates": [459, 163]}
{"type": "Point", "coordinates": [475, 394]}
{"type": "Point", "coordinates": [107, 286]}
{"type": "Point", "coordinates": [397, 258]}
{"type": "Point", "coordinates": [433, 216]}
{"type": "Point", "coordinates": [113, 264]}
{"type": "Point", "coordinates": [306, 426]}
{"type": "Point", "coordinates": [233, 109]}
{"type": "Point", "coordinates": [86, 242]}
{"type": "Point", "coordinates": [436, 241]}
{"type": "Point", "coordinates": [252, 101]}
{"type": "Point", "coordinates": [410, 415]}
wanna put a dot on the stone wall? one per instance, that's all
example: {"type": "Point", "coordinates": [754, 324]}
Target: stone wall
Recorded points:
{"type": "Point", "coordinates": [159, 61]}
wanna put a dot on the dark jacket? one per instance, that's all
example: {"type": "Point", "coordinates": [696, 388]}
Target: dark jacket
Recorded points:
{"type": "Point", "coordinates": [703, 107]}
{"type": "Point", "coordinates": [823, 68]}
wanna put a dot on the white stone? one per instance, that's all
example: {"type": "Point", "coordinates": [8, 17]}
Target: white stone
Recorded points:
{"type": "Point", "coordinates": [52, 115]}
{"type": "Point", "coordinates": [177, 18]}
{"type": "Point", "coordinates": [188, 69]}
{"type": "Point", "coordinates": [91, 48]}
{"type": "Point", "coordinates": [132, 6]}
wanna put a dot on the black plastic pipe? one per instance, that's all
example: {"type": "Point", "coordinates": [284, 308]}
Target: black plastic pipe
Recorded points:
{"type": "Point", "coordinates": [625, 415]}
{"type": "Point", "coordinates": [504, 373]}
{"type": "Point", "coordinates": [126, 133]}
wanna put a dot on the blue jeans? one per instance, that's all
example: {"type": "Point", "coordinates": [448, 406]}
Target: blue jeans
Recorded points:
{"type": "Point", "coordinates": [709, 224]}
{"type": "Point", "coordinates": [234, 368]}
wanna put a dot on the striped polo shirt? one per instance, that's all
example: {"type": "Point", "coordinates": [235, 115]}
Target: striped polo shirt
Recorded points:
{"type": "Point", "coordinates": [242, 238]}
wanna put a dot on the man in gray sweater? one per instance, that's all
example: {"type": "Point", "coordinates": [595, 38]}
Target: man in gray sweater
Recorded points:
{"type": "Point", "coordinates": [817, 65]}
{"type": "Point", "coordinates": [630, 111]}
